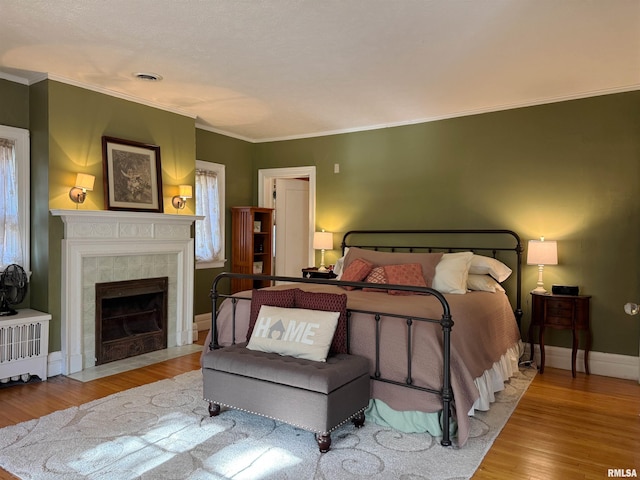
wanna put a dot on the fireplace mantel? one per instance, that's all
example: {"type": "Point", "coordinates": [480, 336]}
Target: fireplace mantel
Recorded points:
{"type": "Point", "coordinates": [107, 233]}
{"type": "Point", "coordinates": [124, 225]}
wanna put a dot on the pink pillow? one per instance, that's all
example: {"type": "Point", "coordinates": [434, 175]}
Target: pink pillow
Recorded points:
{"type": "Point", "coordinates": [327, 302]}
{"type": "Point", "coordinates": [405, 274]}
{"type": "Point", "coordinates": [376, 275]}
{"type": "Point", "coordinates": [356, 271]}
{"type": "Point", "coordinates": [273, 298]}
{"type": "Point", "coordinates": [428, 261]}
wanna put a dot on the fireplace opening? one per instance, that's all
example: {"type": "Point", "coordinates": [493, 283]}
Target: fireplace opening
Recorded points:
{"type": "Point", "coordinates": [131, 318]}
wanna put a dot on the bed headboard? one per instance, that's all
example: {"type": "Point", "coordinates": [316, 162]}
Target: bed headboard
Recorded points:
{"type": "Point", "coordinates": [504, 245]}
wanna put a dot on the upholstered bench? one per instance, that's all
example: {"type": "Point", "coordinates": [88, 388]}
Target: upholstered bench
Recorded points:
{"type": "Point", "coordinates": [312, 395]}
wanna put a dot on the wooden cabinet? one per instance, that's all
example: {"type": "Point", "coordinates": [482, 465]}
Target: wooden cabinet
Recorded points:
{"type": "Point", "coordinates": [252, 245]}
{"type": "Point", "coordinates": [561, 312]}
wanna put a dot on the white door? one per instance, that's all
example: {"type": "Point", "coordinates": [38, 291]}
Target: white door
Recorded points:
{"type": "Point", "coordinates": [292, 226]}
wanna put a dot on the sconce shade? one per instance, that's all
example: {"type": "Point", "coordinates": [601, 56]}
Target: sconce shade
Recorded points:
{"type": "Point", "coordinates": [180, 200]}
{"type": "Point", "coordinates": [78, 192]}
{"type": "Point", "coordinates": [541, 252]}
{"type": "Point", "coordinates": [323, 241]}
{"type": "Point", "coordinates": [185, 191]}
{"type": "Point", "coordinates": [85, 180]}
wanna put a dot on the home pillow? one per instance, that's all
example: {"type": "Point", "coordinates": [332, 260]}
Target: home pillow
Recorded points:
{"type": "Point", "coordinates": [378, 276]}
{"type": "Point", "coordinates": [407, 274]}
{"type": "Point", "coordinates": [275, 298]}
{"type": "Point", "coordinates": [481, 265]}
{"type": "Point", "coordinates": [452, 272]}
{"type": "Point", "coordinates": [328, 302]}
{"type": "Point", "coordinates": [297, 332]}
{"type": "Point", "coordinates": [484, 283]}
{"type": "Point", "coordinates": [356, 271]}
{"type": "Point", "coordinates": [428, 261]}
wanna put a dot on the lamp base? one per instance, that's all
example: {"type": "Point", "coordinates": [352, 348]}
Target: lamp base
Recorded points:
{"type": "Point", "coordinates": [322, 268]}
{"type": "Point", "coordinates": [540, 291]}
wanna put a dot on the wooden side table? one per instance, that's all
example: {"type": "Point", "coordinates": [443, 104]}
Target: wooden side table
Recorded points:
{"type": "Point", "coordinates": [313, 272]}
{"type": "Point", "coordinates": [561, 312]}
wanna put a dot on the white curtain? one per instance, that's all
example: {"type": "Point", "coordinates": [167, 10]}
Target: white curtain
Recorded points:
{"type": "Point", "coordinates": [208, 233]}
{"type": "Point", "coordinates": [10, 241]}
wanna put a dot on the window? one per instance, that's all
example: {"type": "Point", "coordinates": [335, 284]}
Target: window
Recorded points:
{"type": "Point", "coordinates": [14, 197]}
{"type": "Point", "coordinates": [210, 203]}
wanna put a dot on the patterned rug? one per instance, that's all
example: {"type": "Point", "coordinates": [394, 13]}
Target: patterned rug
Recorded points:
{"type": "Point", "coordinates": [163, 431]}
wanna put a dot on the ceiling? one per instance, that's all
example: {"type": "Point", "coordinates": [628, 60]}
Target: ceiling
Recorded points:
{"type": "Point", "coordinates": [281, 69]}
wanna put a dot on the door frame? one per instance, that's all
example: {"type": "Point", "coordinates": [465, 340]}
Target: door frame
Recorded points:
{"type": "Point", "coordinates": [266, 177]}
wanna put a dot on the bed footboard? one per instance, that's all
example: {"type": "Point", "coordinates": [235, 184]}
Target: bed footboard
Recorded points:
{"type": "Point", "coordinates": [445, 321]}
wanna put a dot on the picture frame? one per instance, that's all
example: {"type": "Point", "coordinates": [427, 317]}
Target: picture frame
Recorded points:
{"type": "Point", "coordinates": [132, 175]}
{"type": "Point", "coordinates": [257, 267]}
{"type": "Point", "coordinates": [257, 226]}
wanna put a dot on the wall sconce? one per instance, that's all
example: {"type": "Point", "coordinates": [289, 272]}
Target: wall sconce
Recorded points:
{"type": "Point", "coordinates": [180, 200]}
{"type": "Point", "coordinates": [84, 182]}
{"type": "Point", "coordinates": [322, 241]}
{"type": "Point", "coordinates": [542, 253]}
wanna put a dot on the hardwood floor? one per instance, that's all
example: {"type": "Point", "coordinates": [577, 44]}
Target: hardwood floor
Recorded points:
{"type": "Point", "coordinates": [563, 428]}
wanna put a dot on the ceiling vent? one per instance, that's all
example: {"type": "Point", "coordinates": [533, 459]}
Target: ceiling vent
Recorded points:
{"type": "Point", "coordinates": [147, 76]}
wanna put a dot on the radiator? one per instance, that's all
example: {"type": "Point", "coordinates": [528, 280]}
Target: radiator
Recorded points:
{"type": "Point", "coordinates": [24, 345]}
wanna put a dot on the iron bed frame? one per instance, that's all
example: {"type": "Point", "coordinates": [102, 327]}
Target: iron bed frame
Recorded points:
{"type": "Point", "coordinates": [446, 322]}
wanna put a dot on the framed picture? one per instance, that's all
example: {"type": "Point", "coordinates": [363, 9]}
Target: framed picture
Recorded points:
{"type": "Point", "coordinates": [257, 226]}
{"type": "Point", "coordinates": [132, 175]}
{"type": "Point", "coordinates": [257, 267]}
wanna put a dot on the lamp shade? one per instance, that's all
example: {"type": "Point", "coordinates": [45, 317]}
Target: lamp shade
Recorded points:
{"type": "Point", "coordinates": [185, 191]}
{"type": "Point", "coordinates": [323, 241]}
{"type": "Point", "coordinates": [542, 252]}
{"type": "Point", "coordinates": [85, 180]}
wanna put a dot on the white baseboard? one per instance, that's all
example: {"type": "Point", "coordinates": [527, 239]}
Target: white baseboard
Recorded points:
{"type": "Point", "coordinates": [203, 321]}
{"type": "Point", "coordinates": [54, 364]}
{"type": "Point", "coordinates": [606, 364]}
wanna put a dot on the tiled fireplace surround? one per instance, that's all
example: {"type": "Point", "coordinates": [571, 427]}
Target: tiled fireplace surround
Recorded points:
{"type": "Point", "coordinates": [104, 246]}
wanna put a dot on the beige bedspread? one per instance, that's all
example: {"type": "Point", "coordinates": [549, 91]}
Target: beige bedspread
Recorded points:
{"type": "Point", "coordinates": [484, 329]}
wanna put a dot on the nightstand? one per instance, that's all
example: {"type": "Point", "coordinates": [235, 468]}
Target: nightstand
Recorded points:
{"type": "Point", "coordinates": [314, 273]}
{"type": "Point", "coordinates": [561, 312]}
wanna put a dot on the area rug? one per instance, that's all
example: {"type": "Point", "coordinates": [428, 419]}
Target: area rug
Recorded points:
{"type": "Point", "coordinates": [163, 431]}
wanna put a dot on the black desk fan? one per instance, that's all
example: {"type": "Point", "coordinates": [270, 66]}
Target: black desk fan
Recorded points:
{"type": "Point", "coordinates": [13, 288]}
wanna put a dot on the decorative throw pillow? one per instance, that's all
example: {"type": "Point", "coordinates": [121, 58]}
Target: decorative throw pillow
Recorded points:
{"type": "Point", "coordinates": [380, 259]}
{"type": "Point", "coordinates": [356, 271]}
{"type": "Point", "coordinates": [406, 274]}
{"type": "Point", "coordinates": [376, 275]}
{"type": "Point", "coordinates": [327, 302]}
{"type": "Point", "coordinates": [481, 265]}
{"type": "Point", "coordinates": [296, 332]}
{"type": "Point", "coordinates": [452, 272]}
{"type": "Point", "coordinates": [484, 283]}
{"type": "Point", "coordinates": [275, 298]}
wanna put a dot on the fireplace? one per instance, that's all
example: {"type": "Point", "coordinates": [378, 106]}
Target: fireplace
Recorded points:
{"type": "Point", "coordinates": [131, 318]}
{"type": "Point", "coordinates": [110, 246]}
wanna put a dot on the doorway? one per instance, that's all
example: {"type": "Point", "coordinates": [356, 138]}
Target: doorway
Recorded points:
{"type": "Point", "coordinates": [296, 225]}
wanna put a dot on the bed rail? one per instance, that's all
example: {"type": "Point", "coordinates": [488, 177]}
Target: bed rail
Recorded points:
{"type": "Point", "coordinates": [446, 323]}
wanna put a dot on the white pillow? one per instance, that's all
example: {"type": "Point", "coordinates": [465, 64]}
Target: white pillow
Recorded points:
{"type": "Point", "coordinates": [337, 268]}
{"type": "Point", "coordinates": [452, 272]}
{"type": "Point", "coordinates": [297, 332]}
{"type": "Point", "coordinates": [484, 283]}
{"type": "Point", "coordinates": [481, 265]}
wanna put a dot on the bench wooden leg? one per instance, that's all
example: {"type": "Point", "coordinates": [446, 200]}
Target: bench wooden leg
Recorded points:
{"type": "Point", "coordinates": [358, 420]}
{"type": "Point", "coordinates": [324, 442]}
{"type": "Point", "coordinates": [214, 409]}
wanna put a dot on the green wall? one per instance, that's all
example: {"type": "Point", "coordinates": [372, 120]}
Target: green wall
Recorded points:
{"type": "Point", "coordinates": [568, 171]}
{"type": "Point", "coordinates": [236, 155]}
{"type": "Point", "coordinates": [14, 105]}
